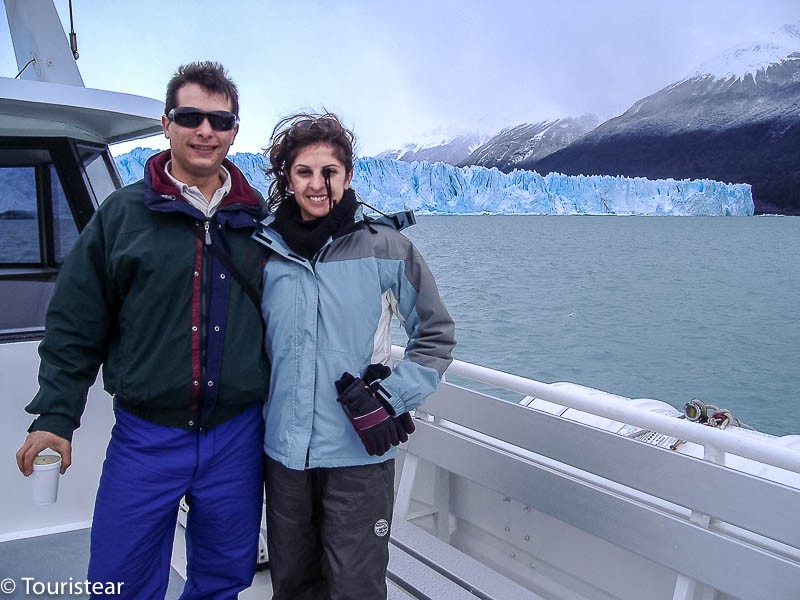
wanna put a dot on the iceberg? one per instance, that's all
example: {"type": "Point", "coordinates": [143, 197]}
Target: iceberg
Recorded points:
{"type": "Point", "coordinates": [442, 189]}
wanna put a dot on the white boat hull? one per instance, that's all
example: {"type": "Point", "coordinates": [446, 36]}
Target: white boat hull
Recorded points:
{"type": "Point", "coordinates": [21, 518]}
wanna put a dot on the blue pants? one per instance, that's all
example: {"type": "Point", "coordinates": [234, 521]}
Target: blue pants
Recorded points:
{"type": "Point", "coordinates": [148, 468]}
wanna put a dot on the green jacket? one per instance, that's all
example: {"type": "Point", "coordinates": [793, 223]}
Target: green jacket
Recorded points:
{"type": "Point", "coordinates": [180, 341]}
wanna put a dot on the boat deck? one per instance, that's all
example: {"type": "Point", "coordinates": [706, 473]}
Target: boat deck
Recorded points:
{"type": "Point", "coordinates": [54, 558]}
{"type": "Point", "coordinates": [64, 556]}
{"type": "Point", "coordinates": [500, 500]}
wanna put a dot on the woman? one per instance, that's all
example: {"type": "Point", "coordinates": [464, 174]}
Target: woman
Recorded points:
{"type": "Point", "coordinates": [335, 408]}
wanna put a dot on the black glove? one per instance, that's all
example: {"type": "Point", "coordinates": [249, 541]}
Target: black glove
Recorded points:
{"type": "Point", "coordinates": [373, 375]}
{"type": "Point", "coordinates": [375, 372]}
{"type": "Point", "coordinates": [405, 426]}
{"type": "Point", "coordinates": [369, 417]}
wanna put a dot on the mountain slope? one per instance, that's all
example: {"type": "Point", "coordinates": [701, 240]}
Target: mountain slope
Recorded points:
{"type": "Point", "coordinates": [737, 119]}
{"type": "Point", "coordinates": [451, 151]}
{"type": "Point", "coordinates": [529, 142]}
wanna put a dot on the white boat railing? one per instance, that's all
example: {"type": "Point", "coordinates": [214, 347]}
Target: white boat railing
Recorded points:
{"type": "Point", "coordinates": [616, 408]}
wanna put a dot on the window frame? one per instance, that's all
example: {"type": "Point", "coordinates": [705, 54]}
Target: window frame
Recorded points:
{"type": "Point", "coordinates": [65, 154]}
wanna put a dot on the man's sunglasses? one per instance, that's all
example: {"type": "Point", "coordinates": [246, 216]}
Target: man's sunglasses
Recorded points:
{"type": "Point", "coordinates": [188, 116]}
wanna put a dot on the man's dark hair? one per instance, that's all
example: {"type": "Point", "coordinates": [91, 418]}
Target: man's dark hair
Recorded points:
{"type": "Point", "coordinates": [211, 76]}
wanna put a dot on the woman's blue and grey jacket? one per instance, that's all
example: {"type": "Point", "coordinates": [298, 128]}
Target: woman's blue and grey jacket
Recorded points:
{"type": "Point", "coordinates": [332, 314]}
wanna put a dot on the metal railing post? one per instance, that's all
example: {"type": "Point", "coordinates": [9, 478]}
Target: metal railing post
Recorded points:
{"type": "Point", "coordinates": [685, 587]}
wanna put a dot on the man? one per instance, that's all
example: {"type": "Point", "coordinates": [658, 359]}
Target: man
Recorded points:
{"type": "Point", "coordinates": [162, 289]}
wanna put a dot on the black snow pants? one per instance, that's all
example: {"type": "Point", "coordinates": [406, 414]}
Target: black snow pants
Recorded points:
{"type": "Point", "coordinates": [328, 530]}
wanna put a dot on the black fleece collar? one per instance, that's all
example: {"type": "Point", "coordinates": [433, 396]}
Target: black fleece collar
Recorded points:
{"type": "Point", "coordinates": [307, 237]}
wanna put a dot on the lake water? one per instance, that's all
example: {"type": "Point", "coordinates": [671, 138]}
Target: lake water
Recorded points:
{"type": "Point", "coordinates": [671, 308]}
{"type": "Point", "coordinates": [19, 239]}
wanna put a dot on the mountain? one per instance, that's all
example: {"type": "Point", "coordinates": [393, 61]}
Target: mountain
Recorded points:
{"type": "Point", "coordinates": [504, 150]}
{"type": "Point", "coordinates": [736, 119]}
{"type": "Point", "coordinates": [529, 142]}
{"type": "Point", "coordinates": [449, 150]}
{"type": "Point", "coordinates": [439, 188]}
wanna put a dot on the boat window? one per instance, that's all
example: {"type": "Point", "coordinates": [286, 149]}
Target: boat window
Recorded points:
{"type": "Point", "coordinates": [101, 176]}
{"type": "Point", "coordinates": [19, 223]}
{"type": "Point", "coordinates": [65, 231]}
{"type": "Point", "coordinates": [37, 231]}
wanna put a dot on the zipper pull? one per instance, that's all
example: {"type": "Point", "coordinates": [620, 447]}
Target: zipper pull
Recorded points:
{"type": "Point", "coordinates": [208, 233]}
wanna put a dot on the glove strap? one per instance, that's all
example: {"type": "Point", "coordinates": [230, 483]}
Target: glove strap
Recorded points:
{"type": "Point", "coordinates": [370, 419]}
{"type": "Point", "coordinates": [382, 395]}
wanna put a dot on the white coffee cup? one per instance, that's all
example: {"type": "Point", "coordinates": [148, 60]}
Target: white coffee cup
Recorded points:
{"type": "Point", "coordinates": [46, 469]}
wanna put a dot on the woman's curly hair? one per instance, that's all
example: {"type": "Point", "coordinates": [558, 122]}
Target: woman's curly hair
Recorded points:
{"type": "Point", "coordinates": [294, 133]}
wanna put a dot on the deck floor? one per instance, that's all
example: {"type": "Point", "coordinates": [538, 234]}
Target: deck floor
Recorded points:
{"type": "Point", "coordinates": [60, 556]}
{"type": "Point", "coordinates": [55, 558]}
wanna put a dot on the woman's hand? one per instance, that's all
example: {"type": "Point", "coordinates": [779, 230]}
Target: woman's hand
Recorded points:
{"type": "Point", "coordinates": [372, 422]}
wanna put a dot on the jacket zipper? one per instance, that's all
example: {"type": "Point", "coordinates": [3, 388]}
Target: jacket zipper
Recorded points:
{"type": "Point", "coordinates": [320, 255]}
{"type": "Point", "coordinates": [205, 281]}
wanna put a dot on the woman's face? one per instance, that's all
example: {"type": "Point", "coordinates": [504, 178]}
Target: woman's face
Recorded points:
{"type": "Point", "coordinates": [307, 181]}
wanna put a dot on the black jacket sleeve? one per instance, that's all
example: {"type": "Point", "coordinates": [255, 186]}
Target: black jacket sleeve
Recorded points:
{"type": "Point", "coordinates": [78, 326]}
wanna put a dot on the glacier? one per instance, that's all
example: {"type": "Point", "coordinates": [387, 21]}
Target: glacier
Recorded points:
{"type": "Point", "coordinates": [442, 189]}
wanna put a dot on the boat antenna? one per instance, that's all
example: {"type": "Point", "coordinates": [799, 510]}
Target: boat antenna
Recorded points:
{"type": "Point", "coordinates": [73, 37]}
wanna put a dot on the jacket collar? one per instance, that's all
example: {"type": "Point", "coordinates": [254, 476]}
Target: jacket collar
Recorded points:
{"type": "Point", "coordinates": [240, 208]}
{"type": "Point", "coordinates": [266, 235]}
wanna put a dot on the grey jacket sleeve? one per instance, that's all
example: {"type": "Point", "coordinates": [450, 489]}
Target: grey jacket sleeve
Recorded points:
{"type": "Point", "coordinates": [430, 328]}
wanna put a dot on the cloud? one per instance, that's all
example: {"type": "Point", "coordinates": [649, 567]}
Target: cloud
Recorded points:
{"type": "Point", "coordinates": [398, 70]}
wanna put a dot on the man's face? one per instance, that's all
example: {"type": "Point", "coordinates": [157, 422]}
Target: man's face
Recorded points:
{"type": "Point", "coordinates": [197, 152]}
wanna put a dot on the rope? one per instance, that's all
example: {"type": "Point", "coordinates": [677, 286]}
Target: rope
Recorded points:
{"type": "Point", "coordinates": [27, 64]}
{"type": "Point", "coordinates": [722, 418]}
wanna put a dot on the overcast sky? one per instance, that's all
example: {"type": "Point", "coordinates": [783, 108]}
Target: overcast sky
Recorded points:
{"type": "Point", "coordinates": [406, 70]}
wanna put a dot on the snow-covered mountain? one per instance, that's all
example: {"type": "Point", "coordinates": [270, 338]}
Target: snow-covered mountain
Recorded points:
{"type": "Point", "coordinates": [529, 141]}
{"type": "Point", "coordinates": [439, 188]}
{"type": "Point", "coordinates": [451, 150]}
{"type": "Point", "coordinates": [504, 150]}
{"type": "Point", "coordinates": [736, 118]}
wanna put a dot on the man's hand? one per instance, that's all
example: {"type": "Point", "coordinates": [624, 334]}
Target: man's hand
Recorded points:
{"type": "Point", "coordinates": [38, 441]}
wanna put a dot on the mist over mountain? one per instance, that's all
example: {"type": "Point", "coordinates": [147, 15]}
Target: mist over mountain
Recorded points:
{"type": "Point", "coordinates": [736, 119]}
{"type": "Point", "coordinates": [504, 150]}
{"type": "Point", "coordinates": [439, 188]}
{"type": "Point", "coordinates": [450, 150]}
{"type": "Point", "coordinates": [513, 146]}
